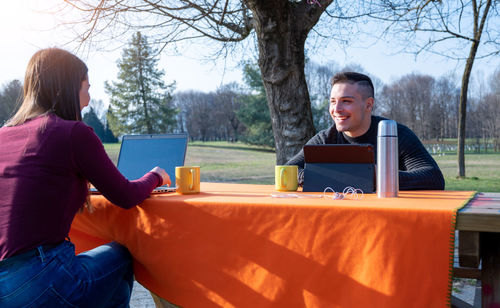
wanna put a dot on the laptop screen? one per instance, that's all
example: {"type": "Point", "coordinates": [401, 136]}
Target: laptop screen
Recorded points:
{"type": "Point", "coordinates": [141, 153]}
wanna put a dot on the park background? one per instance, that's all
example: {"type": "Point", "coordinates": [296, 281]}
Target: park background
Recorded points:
{"type": "Point", "coordinates": [219, 99]}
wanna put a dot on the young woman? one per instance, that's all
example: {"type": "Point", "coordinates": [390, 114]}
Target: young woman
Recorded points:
{"type": "Point", "coordinates": [47, 158]}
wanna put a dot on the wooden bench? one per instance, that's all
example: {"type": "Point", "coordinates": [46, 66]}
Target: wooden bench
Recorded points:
{"type": "Point", "coordinates": [477, 254]}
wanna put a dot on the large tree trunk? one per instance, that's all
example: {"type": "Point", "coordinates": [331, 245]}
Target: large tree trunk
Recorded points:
{"type": "Point", "coordinates": [288, 100]}
{"type": "Point", "coordinates": [282, 27]}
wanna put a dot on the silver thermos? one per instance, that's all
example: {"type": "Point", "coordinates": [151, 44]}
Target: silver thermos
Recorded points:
{"type": "Point", "coordinates": [387, 159]}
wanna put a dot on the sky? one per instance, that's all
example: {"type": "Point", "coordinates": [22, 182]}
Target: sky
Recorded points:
{"type": "Point", "coordinates": [25, 30]}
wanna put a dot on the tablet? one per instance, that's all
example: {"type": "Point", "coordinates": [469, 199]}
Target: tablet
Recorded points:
{"type": "Point", "coordinates": [337, 166]}
{"type": "Point", "coordinates": [339, 153]}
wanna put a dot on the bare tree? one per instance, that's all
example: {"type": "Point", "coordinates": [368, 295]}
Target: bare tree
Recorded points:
{"type": "Point", "coordinates": [495, 83]}
{"type": "Point", "coordinates": [438, 26]}
{"type": "Point", "coordinates": [210, 116]}
{"type": "Point", "coordinates": [319, 79]}
{"type": "Point", "coordinates": [393, 102]}
{"type": "Point", "coordinates": [319, 84]}
{"type": "Point", "coordinates": [279, 27]}
{"type": "Point", "coordinates": [492, 112]}
{"type": "Point", "coordinates": [197, 109]}
{"type": "Point", "coordinates": [227, 100]}
{"type": "Point", "coordinates": [444, 117]}
{"type": "Point", "coordinates": [409, 101]}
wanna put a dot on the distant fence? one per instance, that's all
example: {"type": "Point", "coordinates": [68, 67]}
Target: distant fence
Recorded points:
{"type": "Point", "coordinates": [440, 149]}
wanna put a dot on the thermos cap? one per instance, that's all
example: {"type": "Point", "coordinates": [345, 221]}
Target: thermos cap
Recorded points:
{"type": "Point", "coordinates": [387, 128]}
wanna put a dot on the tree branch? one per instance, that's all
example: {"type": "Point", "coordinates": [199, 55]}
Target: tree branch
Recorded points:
{"type": "Point", "coordinates": [213, 20]}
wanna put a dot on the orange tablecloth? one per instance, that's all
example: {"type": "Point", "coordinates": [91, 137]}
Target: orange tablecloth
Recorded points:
{"type": "Point", "coordinates": [234, 245]}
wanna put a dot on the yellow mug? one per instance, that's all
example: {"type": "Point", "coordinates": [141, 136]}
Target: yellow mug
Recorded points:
{"type": "Point", "coordinates": [187, 179]}
{"type": "Point", "coordinates": [285, 178]}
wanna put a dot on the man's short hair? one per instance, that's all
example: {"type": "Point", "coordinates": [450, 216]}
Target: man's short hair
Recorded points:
{"type": "Point", "coordinates": [364, 82]}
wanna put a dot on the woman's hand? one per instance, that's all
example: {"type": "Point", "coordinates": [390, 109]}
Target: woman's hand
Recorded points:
{"type": "Point", "coordinates": [163, 174]}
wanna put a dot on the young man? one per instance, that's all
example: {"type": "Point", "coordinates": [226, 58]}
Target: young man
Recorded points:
{"type": "Point", "coordinates": [351, 105]}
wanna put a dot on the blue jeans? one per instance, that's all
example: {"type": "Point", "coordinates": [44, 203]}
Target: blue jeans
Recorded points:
{"type": "Point", "coordinates": [101, 277]}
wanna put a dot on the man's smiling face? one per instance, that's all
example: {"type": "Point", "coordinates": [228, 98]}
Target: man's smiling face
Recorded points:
{"type": "Point", "coordinates": [350, 111]}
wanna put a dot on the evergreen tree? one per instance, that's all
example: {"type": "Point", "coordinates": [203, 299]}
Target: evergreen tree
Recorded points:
{"type": "Point", "coordinates": [108, 136]}
{"type": "Point", "coordinates": [90, 118]}
{"type": "Point", "coordinates": [10, 95]}
{"type": "Point", "coordinates": [140, 101]}
{"type": "Point", "coordinates": [254, 112]}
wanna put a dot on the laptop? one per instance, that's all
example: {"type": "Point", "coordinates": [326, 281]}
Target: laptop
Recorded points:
{"type": "Point", "coordinates": [141, 153]}
{"type": "Point", "coordinates": [338, 166]}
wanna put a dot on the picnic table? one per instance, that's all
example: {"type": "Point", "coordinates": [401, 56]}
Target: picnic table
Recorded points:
{"type": "Point", "coordinates": [240, 245]}
{"type": "Point", "coordinates": [479, 245]}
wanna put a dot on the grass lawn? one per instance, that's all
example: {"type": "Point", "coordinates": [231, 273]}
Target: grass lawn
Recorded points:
{"type": "Point", "coordinates": [224, 161]}
{"type": "Point", "coordinates": [232, 162]}
{"type": "Point", "coordinates": [113, 149]}
{"type": "Point", "coordinates": [482, 172]}
{"type": "Point", "coordinates": [240, 163]}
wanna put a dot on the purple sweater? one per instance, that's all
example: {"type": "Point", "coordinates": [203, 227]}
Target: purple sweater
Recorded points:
{"type": "Point", "coordinates": [44, 167]}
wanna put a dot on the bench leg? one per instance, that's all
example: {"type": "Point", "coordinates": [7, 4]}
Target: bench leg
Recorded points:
{"type": "Point", "coordinates": [490, 272]}
{"type": "Point", "coordinates": [477, 295]}
{"type": "Point", "coordinates": [468, 248]}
